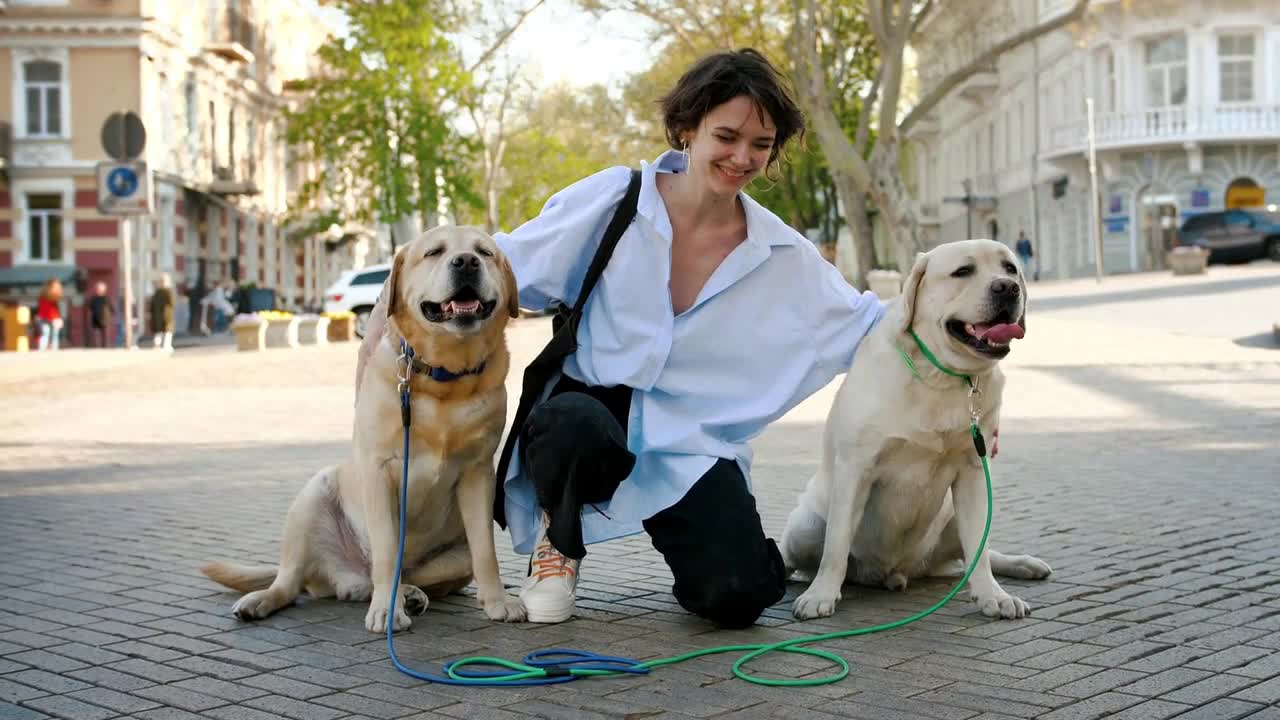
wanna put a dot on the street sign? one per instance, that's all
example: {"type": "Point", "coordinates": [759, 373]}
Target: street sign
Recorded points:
{"type": "Point", "coordinates": [123, 136]}
{"type": "Point", "coordinates": [124, 188]}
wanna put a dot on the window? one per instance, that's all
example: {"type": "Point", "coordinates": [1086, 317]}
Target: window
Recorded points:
{"type": "Point", "coordinates": [42, 83]}
{"type": "Point", "coordinates": [1166, 70]}
{"type": "Point", "coordinates": [1104, 91]}
{"type": "Point", "coordinates": [44, 228]}
{"type": "Point", "coordinates": [1235, 68]}
{"type": "Point", "coordinates": [371, 278]}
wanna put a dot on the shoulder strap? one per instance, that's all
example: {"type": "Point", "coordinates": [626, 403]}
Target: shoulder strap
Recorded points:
{"type": "Point", "coordinates": [622, 218]}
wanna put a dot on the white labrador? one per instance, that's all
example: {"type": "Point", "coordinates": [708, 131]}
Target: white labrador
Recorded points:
{"type": "Point", "coordinates": [900, 493]}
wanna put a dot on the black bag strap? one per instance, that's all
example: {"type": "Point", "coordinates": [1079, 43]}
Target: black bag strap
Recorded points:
{"type": "Point", "coordinates": [622, 217]}
{"type": "Point", "coordinates": [564, 338]}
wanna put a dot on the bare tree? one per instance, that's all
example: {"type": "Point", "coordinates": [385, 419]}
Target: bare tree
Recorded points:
{"type": "Point", "coordinates": [867, 167]}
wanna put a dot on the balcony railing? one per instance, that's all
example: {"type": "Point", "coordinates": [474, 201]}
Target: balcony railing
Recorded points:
{"type": "Point", "coordinates": [234, 37]}
{"type": "Point", "coordinates": [1168, 125]}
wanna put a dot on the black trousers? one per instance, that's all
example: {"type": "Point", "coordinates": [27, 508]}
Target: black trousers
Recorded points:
{"type": "Point", "coordinates": [573, 447]}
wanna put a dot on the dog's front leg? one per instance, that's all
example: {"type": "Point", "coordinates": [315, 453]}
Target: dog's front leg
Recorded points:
{"type": "Point", "coordinates": [969, 493]}
{"type": "Point", "coordinates": [381, 514]}
{"type": "Point", "coordinates": [475, 500]}
{"type": "Point", "coordinates": [850, 486]}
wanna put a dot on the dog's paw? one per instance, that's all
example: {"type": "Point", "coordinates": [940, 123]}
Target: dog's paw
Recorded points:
{"type": "Point", "coordinates": [256, 605]}
{"type": "Point", "coordinates": [375, 621]}
{"type": "Point", "coordinates": [1033, 568]}
{"type": "Point", "coordinates": [1003, 605]}
{"type": "Point", "coordinates": [815, 603]}
{"type": "Point", "coordinates": [504, 608]}
{"type": "Point", "coordinates": [415, 600]}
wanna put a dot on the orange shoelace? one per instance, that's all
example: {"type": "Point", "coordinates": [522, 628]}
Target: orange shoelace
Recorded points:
{"type": "Point", "coordinates": [548, 563]}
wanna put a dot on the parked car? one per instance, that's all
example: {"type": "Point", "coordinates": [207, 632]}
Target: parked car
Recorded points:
{"type": "Point", "coordinates": [1234, 235]}
{"type": "Point", "coordinates": [357, 291]}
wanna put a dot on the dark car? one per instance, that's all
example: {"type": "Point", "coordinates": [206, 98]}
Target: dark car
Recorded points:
{"type": "Point", "coordinates": [1234, 235]}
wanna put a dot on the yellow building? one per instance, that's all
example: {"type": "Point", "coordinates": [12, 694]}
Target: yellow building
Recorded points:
{"type": "Point", "coordinates": [209, 79]}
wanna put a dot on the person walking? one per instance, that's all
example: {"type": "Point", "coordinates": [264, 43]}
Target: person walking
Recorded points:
{"type": "Point", "coordinates": [162, 303]}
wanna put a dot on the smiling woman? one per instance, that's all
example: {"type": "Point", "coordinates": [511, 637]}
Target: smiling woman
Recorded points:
{"type": "Point", "coordinates": [645, 426]}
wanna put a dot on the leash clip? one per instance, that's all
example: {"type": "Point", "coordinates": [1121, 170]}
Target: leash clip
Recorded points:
{"type": "Point", "coordinates": [404, 367]}
{"type": "Point", "coordinates": [974, 393]}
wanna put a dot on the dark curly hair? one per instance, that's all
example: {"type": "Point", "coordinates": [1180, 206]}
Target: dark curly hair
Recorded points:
{"type": "Point", "coordinates": [723, 76]}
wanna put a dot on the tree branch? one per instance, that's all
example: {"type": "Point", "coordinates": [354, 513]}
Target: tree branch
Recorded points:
{"type": "Point", "coordinates": [811, 86]}
{"type": "Point", "coordinates": [951, 81]}
{"type": "Point", "coordinates": [504, 35]}
{"type": "Point", "coordinates": [861, 135]}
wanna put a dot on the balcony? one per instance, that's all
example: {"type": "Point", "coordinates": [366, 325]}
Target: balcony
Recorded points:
{"type": "Point", "coordinates": [233, 38]}
{"type": "Point", "coordinates": [1167, 126]}
{"type": "Point", "coordinates": [228, 181]}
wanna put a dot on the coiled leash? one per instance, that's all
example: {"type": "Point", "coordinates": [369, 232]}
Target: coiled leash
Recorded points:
{"type": "Point", "coordinates": [560, 665]}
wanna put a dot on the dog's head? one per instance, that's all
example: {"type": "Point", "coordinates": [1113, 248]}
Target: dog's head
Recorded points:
{"type": "Point", "coordinates": [966, 300]}
{"type": "Point", "coordinates": [450, 281]}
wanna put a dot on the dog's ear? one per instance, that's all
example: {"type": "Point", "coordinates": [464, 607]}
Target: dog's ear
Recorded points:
{"type": "Point", "coordinates": [911, 288]}
{"type": "Point", "coordinates": [393, 287]}
{"type": "Point", "coordinates": [510, 288]}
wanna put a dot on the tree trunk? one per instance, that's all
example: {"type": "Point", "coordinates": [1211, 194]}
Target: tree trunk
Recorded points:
{"type": "Point", "coordinates": [897, 208]}
{"type": "Point", "coordinates": [857, 257]}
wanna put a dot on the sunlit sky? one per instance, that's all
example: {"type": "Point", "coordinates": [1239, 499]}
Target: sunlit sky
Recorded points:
{"type": "Point", "coordinates": [565, 45]}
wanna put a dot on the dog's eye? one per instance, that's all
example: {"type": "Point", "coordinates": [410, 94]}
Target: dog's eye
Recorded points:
{"type": "Point", "coordinates": [1011, 268]}
{"type": "Point", "coordinates": [963, 271]}
{"type": "Point", "coordinates": [435, 252]}
{"type": "Point", "coordinates": [484, 252]}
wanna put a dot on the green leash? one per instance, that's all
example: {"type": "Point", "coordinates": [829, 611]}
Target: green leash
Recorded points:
{"type": "Point", "coordinates": [522, 671]}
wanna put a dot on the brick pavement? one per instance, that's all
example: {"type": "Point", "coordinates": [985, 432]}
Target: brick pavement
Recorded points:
{"type": "Point", "coordinates": [1140, 463]}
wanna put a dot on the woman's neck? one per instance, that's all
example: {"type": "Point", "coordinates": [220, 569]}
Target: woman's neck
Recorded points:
{"type": "Point", "coordinates": [690, 204]}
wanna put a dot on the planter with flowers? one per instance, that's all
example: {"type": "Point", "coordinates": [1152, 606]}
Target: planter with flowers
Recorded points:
{"type": "Point", "coordinates": [313, 329]}
{"type": "Point", "coordinates": [884, 283]}
{"type": "Point", "coordinates": [282, 328]}
{"type": "Point", "coordinates": [250, 331]}
{"type": "Point", "coordinates": [1187, 260]}
{"type": "Point", "coordinates": [342, 326]}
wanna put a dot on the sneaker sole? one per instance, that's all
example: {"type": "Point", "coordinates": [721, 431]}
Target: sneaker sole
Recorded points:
{"type": "Point", "coordinates": [550, 615]}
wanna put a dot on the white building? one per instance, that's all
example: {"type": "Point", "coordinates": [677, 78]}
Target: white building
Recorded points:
{"type": "Point", "coordinates": [1186, 96]}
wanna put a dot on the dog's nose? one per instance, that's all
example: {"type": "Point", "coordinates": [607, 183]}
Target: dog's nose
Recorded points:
{"type": "Point", "coordinates": [466, 261]}
{"type": "Point", "coordinates": [1004, 287]}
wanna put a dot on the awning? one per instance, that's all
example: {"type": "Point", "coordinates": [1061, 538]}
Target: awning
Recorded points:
{"type": "Point", "coordinates": [28, 279]}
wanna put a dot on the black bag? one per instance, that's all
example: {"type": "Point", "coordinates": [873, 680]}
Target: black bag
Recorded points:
{"type": "Point", "coordinates": [564, 340]}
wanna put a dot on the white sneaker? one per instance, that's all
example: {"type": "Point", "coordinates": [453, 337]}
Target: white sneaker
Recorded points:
{"type": "Point", "coordinates": [548, 592]}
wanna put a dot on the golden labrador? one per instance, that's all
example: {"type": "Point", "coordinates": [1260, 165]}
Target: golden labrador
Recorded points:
{"type": "Point", "coordinates": [900, 493]}
{"type": "Point", "coordinates": [450, 295]}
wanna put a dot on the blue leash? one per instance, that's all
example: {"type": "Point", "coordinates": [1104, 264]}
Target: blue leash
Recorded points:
{"type": "Point", "coordinates": [540, 667]}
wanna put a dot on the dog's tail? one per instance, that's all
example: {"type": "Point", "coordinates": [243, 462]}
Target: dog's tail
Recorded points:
{"type": "Point", "coordinates": [245, 578]}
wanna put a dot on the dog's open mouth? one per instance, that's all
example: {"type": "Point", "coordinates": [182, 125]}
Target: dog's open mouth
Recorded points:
{"type": "Point", "coordinates": [990, 338]}
{"type": "Point", "coordinates": [465, 305]}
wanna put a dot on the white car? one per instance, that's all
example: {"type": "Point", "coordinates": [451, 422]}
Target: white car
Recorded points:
{"type": "Point", "coordinates": [357, 291]}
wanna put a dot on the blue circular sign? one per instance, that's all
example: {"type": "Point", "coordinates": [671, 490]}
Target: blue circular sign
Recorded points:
{"type": "Point", "coordinates": [122, 182]}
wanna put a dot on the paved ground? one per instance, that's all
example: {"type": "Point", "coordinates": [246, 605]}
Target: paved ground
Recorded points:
{"type": "Point", "coordinates": [1139, 456]}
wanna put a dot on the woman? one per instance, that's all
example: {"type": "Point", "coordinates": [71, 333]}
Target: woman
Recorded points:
{"type": "Point", "coordinates": [712, 319]}
{"type": "Point", "coordinates": [48, 315]}
{"type": "Point", "coordinates": [162, 303]}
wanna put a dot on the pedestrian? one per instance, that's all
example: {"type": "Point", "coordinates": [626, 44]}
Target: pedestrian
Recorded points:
{"type": "Point", "coordinates": [712, 319]}
{"type": "Point", "coordinates": [1023, 249]}
{"type": "Point", "coordinates": [49, 315]}
{"type": "Point", "coordinates": [101, 310]}
{"type": "Point", "coordinates": [161, 310]}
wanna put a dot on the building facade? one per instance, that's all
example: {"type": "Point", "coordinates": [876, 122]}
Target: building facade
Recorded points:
{"type": "Point", "coordinates": [210, 80]}
{"type": "Point", "coordinates": [1186, 119]}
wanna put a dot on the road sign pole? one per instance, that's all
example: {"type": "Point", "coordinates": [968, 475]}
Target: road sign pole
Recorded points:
{"type": "Point", "coordinates": [126, 266]}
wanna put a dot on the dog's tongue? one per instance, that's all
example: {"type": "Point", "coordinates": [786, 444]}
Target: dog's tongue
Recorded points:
{"type": "Point", "coordinates": [463, 307]}
{"type": "Point", "coordinates": [1002, 333]}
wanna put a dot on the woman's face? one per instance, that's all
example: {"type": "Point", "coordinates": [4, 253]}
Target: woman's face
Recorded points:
{"type": "Point", "coordinates": [731, 146]}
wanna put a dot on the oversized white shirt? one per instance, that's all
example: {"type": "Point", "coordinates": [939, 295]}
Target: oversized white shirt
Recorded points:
{"type": "Point", "coordinates": [774, 323]}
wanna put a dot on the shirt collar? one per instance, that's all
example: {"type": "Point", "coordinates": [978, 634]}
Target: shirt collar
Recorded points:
{"type": "Point", "coordinates": [762, 225]}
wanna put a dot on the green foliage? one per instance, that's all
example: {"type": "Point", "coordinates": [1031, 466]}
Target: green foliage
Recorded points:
{"type": "Point", "coordinates": [376, 121]}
